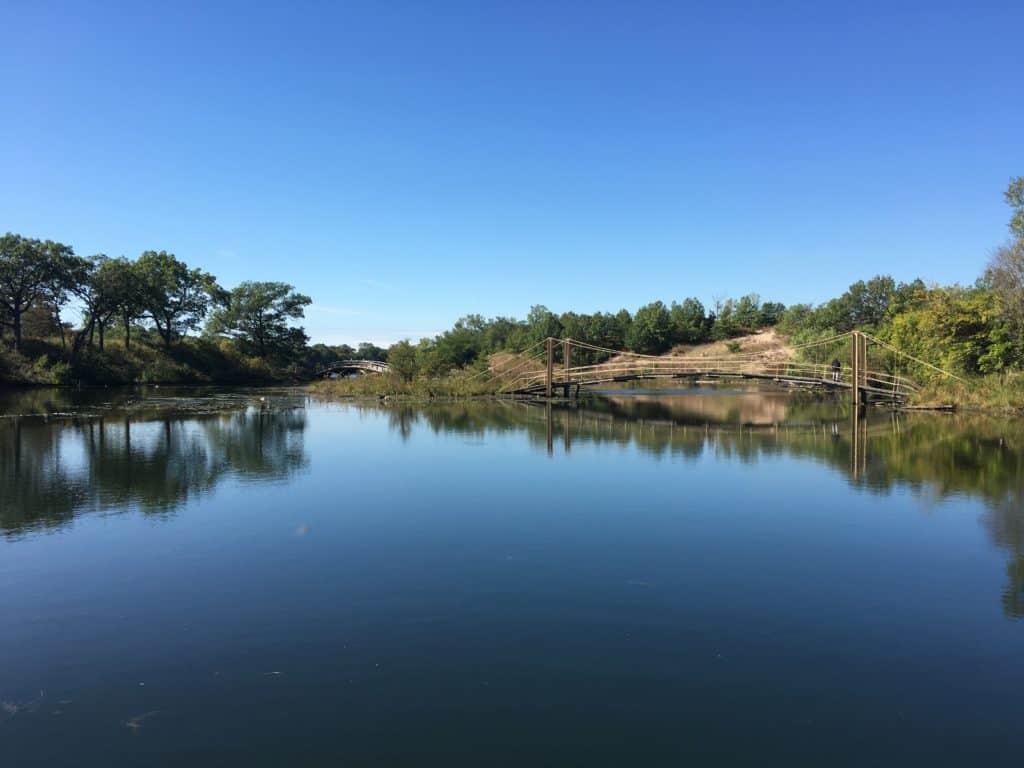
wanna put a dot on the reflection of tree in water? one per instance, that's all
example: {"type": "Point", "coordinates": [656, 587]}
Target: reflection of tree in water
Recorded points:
{"type": "Point", "coordinates": [52, 470]}
{"type": "Point", "coordinates": [938, 455]}
{"type": "Point", "coordinates": [35, 486]}
{"type": "Point", "coordinates": [261, 444]}
{"type": "Point", "coordinates": [1005, 523]}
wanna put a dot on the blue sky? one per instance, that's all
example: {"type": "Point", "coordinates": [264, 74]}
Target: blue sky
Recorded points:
{"type": "Point", "coordinates": [406, 163]}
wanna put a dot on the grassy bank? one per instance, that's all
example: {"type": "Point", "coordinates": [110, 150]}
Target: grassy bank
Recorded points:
{"type": "Point", "coordinates": [193, 361]}
{"type": "Point", "coordinates": [1003, 393]}
{"type": "Point", "coordinates": [457, 385]}
{"type": "Point", "coordinates": [997, 394]}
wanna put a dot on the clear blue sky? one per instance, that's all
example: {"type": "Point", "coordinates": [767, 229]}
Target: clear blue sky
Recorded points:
{"type": "Point", "coordinates": [405, 163]}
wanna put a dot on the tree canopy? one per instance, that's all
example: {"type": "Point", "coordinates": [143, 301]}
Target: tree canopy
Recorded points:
{"type": "Point", "coordinates": [260, 315]}
{"type": "Point", "coordinates": [29, 270]}
{"type": "Point", "coordinates": [973, 329]}
{"type": "Point", "coordinates": [173, 296]}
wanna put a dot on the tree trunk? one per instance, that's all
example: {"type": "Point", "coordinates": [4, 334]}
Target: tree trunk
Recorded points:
{"type": "Point", "coordinates": [78, 339]}
{"type": "Point", "coordinates": [101, 336]}
{"type": "Point", "coordinates": [16, 319]}
{"type": "Point", "coordinates": [60, 327]}
{"type": "Point", "coordinates": [127, 333]}
{"type": "Point", "coordinates": [92, 332]}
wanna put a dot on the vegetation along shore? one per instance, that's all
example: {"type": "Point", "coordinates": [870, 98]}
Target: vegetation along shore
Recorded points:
{"type": "Point", "coordinates": [156, 319]}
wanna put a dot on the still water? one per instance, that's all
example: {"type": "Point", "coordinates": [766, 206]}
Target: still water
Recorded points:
{"type": "Point", "coordinates": [657, 578]}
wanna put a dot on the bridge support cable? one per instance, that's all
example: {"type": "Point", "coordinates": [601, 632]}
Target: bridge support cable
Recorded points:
{"type": "Point", "coordinates": [584, 364]}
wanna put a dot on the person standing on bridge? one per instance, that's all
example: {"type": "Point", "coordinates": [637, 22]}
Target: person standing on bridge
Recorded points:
{"type": "Point", "coordinates": [836, 368]}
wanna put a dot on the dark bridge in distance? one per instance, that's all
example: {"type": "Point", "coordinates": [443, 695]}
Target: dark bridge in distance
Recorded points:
{"type": "Point", "coordinates": [347, 367]}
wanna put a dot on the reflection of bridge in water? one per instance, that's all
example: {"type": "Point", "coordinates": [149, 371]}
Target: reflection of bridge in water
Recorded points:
{"type": "Point", "coordinates": [874, 370]}
{"type": "Point", "coordinates": [837, 431]}
{"type": "Point", "coordinates": [932, 457]}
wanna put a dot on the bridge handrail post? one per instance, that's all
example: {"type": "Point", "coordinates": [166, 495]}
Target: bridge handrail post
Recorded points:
{"type": "Point", "coordinates": [550, 366]}
{"type": "Point", "coordinates": [566, 351]}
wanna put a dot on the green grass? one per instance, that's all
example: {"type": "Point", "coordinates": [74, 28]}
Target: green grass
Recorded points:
{"type": "Point", "coordinates": [459, 384]}
{"type": "Point", "coordinates": [193, 361]}
{"type": "Point", "coordinates": [997, 392]}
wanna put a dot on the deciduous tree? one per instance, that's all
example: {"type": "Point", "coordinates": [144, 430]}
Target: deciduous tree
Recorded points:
{"type": "Point", "coordinates": [173, 296]}
{"type": "Point", "coordinates": [650, 331]}
{"type": "Point", "coordinates": [28, 271]}
{"type": "Point", "coordinates": [259, 315]}
{"type": "Point", "coordinates": [403, 360]}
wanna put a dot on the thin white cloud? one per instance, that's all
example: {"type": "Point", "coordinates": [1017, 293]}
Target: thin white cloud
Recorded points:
{"type": "Point", "coordinates": [381, 339]}
{"type": "Point", "coordinates": [369, 282]}
{"type": "Point", "coordinates": [329, 310]}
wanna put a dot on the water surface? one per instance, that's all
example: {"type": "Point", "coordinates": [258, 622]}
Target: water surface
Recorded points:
{"type": "Point", "coordinates": [710, 577]}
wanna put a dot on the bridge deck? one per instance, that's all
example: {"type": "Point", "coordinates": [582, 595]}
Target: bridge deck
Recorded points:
{"type": "Point", "coordinates": [535, 388]}
{"type": "Point", "coordinates": [354, 366]}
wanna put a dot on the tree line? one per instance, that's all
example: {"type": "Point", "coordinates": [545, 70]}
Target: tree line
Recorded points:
{"type": "Point", "coordinates": [166, 300]}
{"type": "Point", "coordinates": [653, 329]}
{"type": "Point", "coordinates": [973, 329]}
{"type": "Point", "coordinates": [976, 329]}
{"type": "Point", "coordinates": [156, 294]}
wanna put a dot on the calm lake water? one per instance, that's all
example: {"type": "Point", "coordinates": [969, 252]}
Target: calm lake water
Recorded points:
{"type": "Point", "coordinates": [715, 578]}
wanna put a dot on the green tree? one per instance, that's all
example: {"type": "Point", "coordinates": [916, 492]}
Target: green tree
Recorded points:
{"type": "Point", "coordinates": [771, 313]}
{"type": "Point", "coordinates": [617, 329]}
{"type": "Point", "coordinates": [688, 322]}
{"type": "Point", "coordinates": [747, 313]}
{"type": "Point", "coordinates": [258, 315]}
{"type": "Point", "coordinates": [173, 296]}
{"type": "Point", "coordinates": [908, 296]}
{"type": "Point", "coordinates": [123, 281]}
{"type": "Point", "coordinates": [796, 318]}
{"type": "Point", "coordinates": [869, 301]}
{"type": "Point", "coordinates": [28, 271]}
{"type": "Point", "coordinates": [499, 333]}
{"type": "Point", "coordinates": [403, 360]}
{"type": "Point", "coordinates": [98, 282]}
{"type": "Point", "coordinates": [1005, 278]}
{"type": "Point", "coordinates": [957, 329]}
{"type": "Point", "coordinates": [542, 324]}
{"type": "Point", "coordinates": [368, 351]}
{"type": "Point", "coordinates": [461, 345]}
{"type": "Point", "coordinates": [651, 329]}
{"type": "Point", "coordinates": [1015, 199]}
{"type": "Point", "coordinates": [725, 323]}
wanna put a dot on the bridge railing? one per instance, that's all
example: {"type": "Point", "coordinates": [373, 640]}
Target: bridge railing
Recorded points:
{"type": "Point", "coordinates": [667, 366]}
{"type": "Point", "coordinates": [375, 366]}
{"type": "Point", "coordinates": [548, 362]}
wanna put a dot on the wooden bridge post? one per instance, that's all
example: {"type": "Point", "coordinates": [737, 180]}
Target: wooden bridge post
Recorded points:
{"type": "Point", "coordinates": [551, 367]}
{"type": "Point", "coordinates": [858, 444]}
{"type": "Point", "coordinates": [863, 362]}
{"type": "Point", "coordinates": [855, 369]}
{"type": "Point", "coordinates": [859, 377]}
{"type": "Point", "coordinates": [566, 352]}
{"type": "Point", "coordinates": [551, 429]}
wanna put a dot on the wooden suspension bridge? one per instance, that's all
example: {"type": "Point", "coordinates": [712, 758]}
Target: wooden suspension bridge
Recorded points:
{"type": "Point", "coordinates": [878, 376]}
